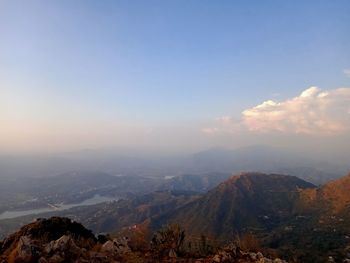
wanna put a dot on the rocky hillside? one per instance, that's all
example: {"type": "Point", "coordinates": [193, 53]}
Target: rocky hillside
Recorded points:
{"type": "Point", "coordinates": [333, 197]}
{"type": "Point", "coordinates": [243, 202]}
{"type": "Point", "coordinates": [58, 240]}
{"type": "Point", "coordinates": [293, 217]}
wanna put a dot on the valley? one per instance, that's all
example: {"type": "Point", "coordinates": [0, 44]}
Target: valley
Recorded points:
{"type": "Point", "coordinates": [289, 216]}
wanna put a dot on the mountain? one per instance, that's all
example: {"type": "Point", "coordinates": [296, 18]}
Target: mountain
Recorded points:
{"type": "Point", "coordinates": [331, 198]}
{"type": "Point", "coordinates": [243, 202]}
{"type": "Point", "coordinates": [321, 227]}
{"type": "Point", "coordinates": [296, 219]}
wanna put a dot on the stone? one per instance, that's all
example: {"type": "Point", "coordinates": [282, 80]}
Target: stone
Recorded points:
{"type": "Point", "coordinates": [172, 253]}
{"type": "Point", "coordinates": [253, 256]}
{"type": "Point", "coordinates": [26, 250]}
{"type": "Point", "coordinates": [259, 255]}
{"type": "Point", "coordinates": [56, 259]}
{"type": "Point", "coordinates": [216, 258]}
{"type": "Point", "coordinates": [108, 247]}
{"type": "Point", "coordinates": [63, 244]}
{"type": "Point", "coordinates": [42, 260]}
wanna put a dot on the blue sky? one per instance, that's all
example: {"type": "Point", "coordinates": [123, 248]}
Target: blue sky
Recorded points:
{"type": "Point", "coordinates": [156, 63]}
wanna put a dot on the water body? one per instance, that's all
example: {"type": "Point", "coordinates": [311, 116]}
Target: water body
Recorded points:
{"type": "Point", "coordinates": [96, 199]}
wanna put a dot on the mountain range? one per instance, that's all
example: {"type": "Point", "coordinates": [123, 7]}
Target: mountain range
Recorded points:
{"type": "Point", "coordinates": [290, 218]}
{"type": "Point", "coordinates": [287, 214]}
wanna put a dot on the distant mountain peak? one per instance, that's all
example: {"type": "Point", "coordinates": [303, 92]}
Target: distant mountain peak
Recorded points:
{"type": "Point", "coordinates": [268, 180]}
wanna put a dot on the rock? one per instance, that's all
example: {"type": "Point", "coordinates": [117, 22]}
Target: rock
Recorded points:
{"type": "Point", "coordinates": [331, 259]}
{"type": "Point", "coordinates": [232, 253]}
{"type": "Point", "coordinates": [42, 260]}
{"type": "Point", "coordinates": [108, 247]}
{"type": "Point", "coordinates": [117, 246]}
{"type": "Point", "coordinates": [172, 253]}
{"type": "Point", "coordinates": [216, 258]}
{"type": "Point", "coordinates": [278, 260]}
{"type": "Point", "coordinates": [122, 245]}
{"type": "Point", "coordinates": [26, 251]}
{"type": "Point", "coordinates": [64, 243]}
{"type": "Point", "coordinates": [253, 256]}
{"type": "Point", "coordinates": [259, 255]}
{"type": "Point", "coordinates": [56, 259]}
{"type": "Point", "coordinates": [24, 247]}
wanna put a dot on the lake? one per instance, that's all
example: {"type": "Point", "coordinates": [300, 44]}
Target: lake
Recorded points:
{"type": "Point", "coordinates": [96, 199]}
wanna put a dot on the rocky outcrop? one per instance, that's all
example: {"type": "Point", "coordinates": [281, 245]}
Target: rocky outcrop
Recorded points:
{"type": "Point", "coordinates": [58, 240]}
{"type": "Point", "coordinates": [116, 247]}
{"type": "Point", "coordinates": [62, 250]}
{"type": "Point", "coordinates": [26, 250]}
{"type": "Point", "coordinates": [46, 230]}
{"type": "Point", "coordinates": [232, 253]}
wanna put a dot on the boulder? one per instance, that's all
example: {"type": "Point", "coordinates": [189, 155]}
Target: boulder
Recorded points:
{"type": "Point", "coordinates": [116, 246]}
{"type": "Point", "coordinates": [64, 243]}
{"type": "Point", "coordinates": [26, 251]}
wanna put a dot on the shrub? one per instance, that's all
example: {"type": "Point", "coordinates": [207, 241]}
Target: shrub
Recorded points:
{"type": "Point", "coordinates": [249, 242]}
{"type": "Point", "coordinates": [168, 240]}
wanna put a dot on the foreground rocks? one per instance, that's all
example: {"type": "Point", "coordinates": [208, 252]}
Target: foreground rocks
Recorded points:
{"type": "Point", "coordinates": [58, 240]}
{"type": "Point", "coordinates": [233, 253]}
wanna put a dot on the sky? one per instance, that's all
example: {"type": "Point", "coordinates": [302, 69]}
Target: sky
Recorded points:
{"type": "Point", "coordinates": [174, 76]}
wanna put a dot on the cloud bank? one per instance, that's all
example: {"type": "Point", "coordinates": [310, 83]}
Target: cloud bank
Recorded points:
{"type": "Point", "coordinates": [312, 112]}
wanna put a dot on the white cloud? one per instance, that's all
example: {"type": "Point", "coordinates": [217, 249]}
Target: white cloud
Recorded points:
{"type": "Point", "coordinates": [312, 112]}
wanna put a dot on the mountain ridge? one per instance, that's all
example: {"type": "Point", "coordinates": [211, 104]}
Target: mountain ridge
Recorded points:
{"type": "Point", "coordinates": [242, 200]}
